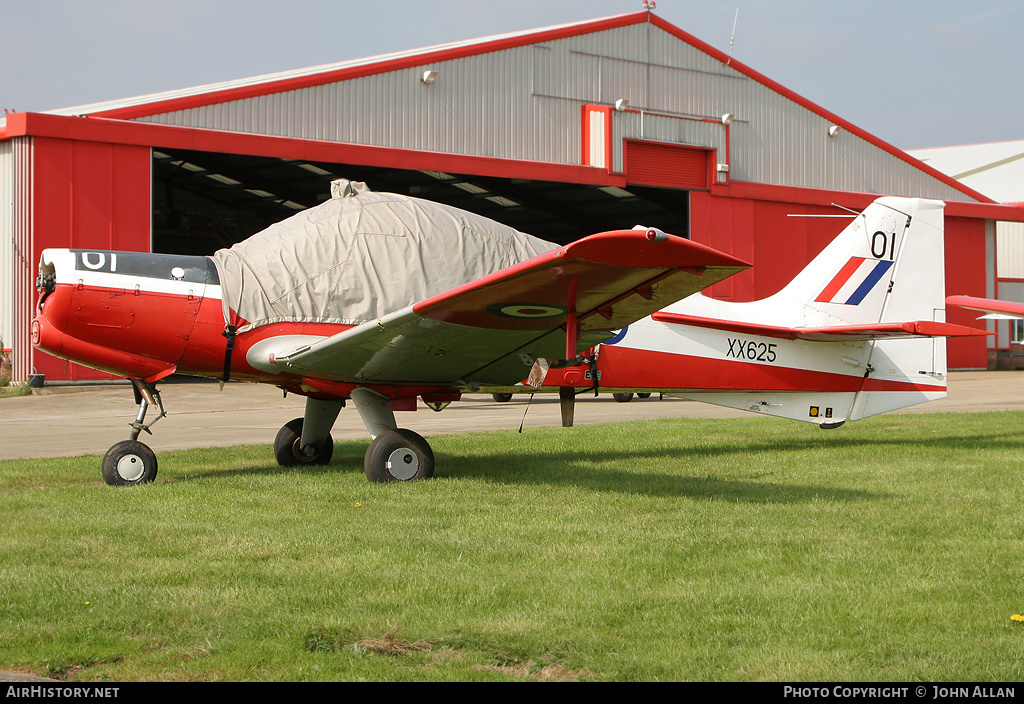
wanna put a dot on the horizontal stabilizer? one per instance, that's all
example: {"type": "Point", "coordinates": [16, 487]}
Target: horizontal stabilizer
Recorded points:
{"type": "Point", "coordinates": [833, 333]}
{"type": "Point", "coordinates": [997, 310]}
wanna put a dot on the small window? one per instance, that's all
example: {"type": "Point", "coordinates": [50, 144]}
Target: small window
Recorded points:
{"type": "Point", "coordinates": [1017, 331]}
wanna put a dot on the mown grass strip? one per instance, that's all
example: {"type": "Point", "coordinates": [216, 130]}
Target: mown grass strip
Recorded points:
{"type": "Point", "coordinates": [688, 549]}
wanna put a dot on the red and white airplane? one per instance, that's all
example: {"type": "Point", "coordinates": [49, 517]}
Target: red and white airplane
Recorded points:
{"type": "Point", "coordinates": [381, 299]}
{"type": "Point", "coordinates": [372, 298]}
{"type": "Point", "coordinates": [860, 331]}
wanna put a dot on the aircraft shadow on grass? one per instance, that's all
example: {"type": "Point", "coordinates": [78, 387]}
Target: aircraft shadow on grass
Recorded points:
{"type": "Point", "coordinates": [588, 468]}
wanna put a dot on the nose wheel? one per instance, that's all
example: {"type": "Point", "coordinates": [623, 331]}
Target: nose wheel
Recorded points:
{"type": "Point", "coordinates": [130, 462]}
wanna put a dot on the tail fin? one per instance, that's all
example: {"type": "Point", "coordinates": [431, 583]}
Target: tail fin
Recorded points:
{"type": "Point", "coordinates": [859, 331]}
{"type": "Point", "coordinates": [886, 266]}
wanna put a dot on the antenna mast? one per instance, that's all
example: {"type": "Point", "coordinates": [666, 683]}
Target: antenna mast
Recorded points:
{"type": "Point", "coordinates": [732, 39]}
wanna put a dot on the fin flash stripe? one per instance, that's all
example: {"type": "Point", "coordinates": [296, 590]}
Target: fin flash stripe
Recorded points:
{"type": "Point", "coordinates": [859, 274]}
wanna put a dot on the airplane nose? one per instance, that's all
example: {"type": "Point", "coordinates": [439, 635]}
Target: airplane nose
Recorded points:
{"type": "Point", "coordinates": [46, 336]}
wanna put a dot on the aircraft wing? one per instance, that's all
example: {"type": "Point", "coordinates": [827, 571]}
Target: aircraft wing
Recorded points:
{"type": "Point", "coordinates": [997, 310]}
{"type": "Point", "coordinates": [492, 330]}
{"type": "Point", "coordinates": [833, 333]}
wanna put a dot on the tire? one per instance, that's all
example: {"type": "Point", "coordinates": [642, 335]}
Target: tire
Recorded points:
{"type": "Point", "coordinates": [286, 447]}
{"type": "Point", "coordinates": [129, 463]}
{"type": "Point", "coordinates": [643, 395]}
{"type": "Point", "coordinates": [398, 456]}
{"type": "Point", "coordinates": [623, 398]}
{"type": "Point", "coordinates": [501, 398]}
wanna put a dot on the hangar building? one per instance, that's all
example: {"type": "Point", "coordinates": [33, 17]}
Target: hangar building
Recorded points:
{"type": "Point", "coordinates": [997, 170]}
{"type": "Point", "coordinates": [559, 132]}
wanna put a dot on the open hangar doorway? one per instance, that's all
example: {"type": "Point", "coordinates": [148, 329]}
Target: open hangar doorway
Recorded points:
{"type": "Point", "coordinates": [205, 201]}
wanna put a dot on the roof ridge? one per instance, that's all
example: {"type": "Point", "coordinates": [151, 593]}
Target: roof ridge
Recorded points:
{"type": "Point", "coordinates": [105, 108]}
{"type": "Point", "coordinates": [961, 146]}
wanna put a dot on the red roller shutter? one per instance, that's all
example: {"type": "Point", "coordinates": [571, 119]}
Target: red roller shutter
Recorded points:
{"type": "Point", "coordinates": [669, 165]}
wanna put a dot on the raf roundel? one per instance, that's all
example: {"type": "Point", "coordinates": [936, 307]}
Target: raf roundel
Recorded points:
{"type": "Point", "coordinates": [526, 310]}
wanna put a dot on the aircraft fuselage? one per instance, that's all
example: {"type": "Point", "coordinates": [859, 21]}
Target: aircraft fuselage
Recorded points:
{"type": "Point", "coordinates": [146, 316]}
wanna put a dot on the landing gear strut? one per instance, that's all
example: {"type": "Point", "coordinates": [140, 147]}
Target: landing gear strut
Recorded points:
{"type": "Point", "coordinates": [131, 462]}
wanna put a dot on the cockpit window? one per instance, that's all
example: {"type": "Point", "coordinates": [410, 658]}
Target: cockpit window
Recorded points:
{"type": "Point", "coordinates": [168, 267]}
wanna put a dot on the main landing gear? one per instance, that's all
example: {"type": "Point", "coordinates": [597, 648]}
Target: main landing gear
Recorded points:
{"type": "Point", "coordinates": [628, 396]}
{"type": "Point", "coordinates": [396, 454]}
{"type": "Point", "coordinates": [131, 462]}
{"type": "Point", "coordinates": [308, 440]}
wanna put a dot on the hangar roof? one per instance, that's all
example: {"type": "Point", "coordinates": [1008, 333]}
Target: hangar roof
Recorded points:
{"type": "Point", "coordinates": [995, 169]}
{"type": "Point", "coordinates": [265, 83]}
{"type": "Point", "coordinates": [518, 98]}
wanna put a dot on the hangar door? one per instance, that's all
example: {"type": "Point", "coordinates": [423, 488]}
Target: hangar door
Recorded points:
{"type": "Point", "coordinates": [203, 201]}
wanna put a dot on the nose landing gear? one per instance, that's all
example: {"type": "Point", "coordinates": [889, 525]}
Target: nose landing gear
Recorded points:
{"type": "Point", "coordinates": [130, 462]}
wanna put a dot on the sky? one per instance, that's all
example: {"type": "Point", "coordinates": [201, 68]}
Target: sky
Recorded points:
{"type": "Point", "coordinates": [914, 73]}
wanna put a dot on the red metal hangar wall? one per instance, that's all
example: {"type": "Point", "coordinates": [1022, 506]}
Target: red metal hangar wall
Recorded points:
{"type": "Point", "coordinates": [559, 132]}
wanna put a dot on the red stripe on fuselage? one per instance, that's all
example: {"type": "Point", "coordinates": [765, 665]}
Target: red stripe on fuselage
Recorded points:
{"type": "Point", "coordinates": [625, 367]}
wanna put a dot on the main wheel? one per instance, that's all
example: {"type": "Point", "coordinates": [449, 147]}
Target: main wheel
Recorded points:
{"type": "Point", "coordinates": [643, 395]}
{"type": "Point", "coordinates": [623, 398]}
{"type": "Point", "coordinates": [501, 398]}
{"type": "Point", "coordinates": [287, 448]}
{"type": "Point", "coordinates": [128, 463]}
{"type": "Point", "coordinates": [398, 456]}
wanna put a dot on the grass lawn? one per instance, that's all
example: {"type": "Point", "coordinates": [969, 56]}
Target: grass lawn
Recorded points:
{"type": "Point", "coordinates": [12, 390]}
{"type": "Point", "coordinates": [891, 549]}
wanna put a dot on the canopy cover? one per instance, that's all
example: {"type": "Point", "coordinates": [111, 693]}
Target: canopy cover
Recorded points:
{"type": "Point", "coordinates": [362, 255]}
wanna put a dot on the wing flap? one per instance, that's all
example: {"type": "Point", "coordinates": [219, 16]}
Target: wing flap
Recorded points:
{"type": "Point", "coordinates": [834, 333]}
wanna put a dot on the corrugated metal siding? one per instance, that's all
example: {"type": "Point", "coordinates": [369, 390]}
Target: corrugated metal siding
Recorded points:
{"type": "Point", "coordinates": [1010, 250]}
{"type": "Point", "coordinates": [524, 103]}
{"type": "Point", "coordinates": [482, 105]}
{"type": "Point", "coordinates": [23, 265]}
{"type": "Point", "coordinates": [16, 269]}
{"type": "Point", "coordinates": [6, 244]}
